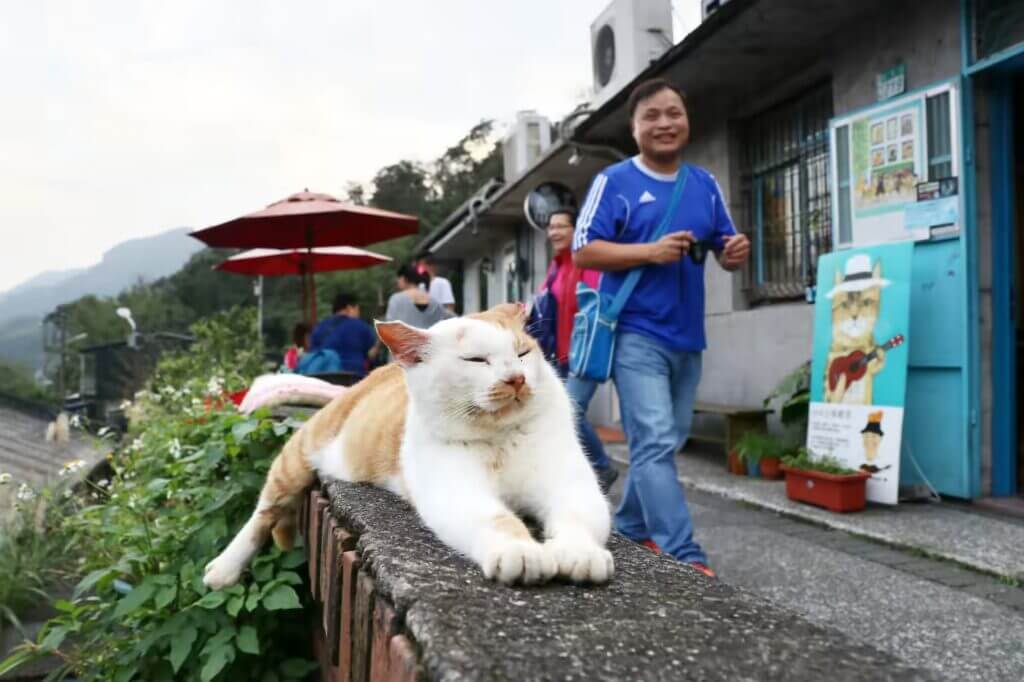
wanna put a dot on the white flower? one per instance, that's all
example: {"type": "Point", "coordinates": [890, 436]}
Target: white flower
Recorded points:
{"type": "Point", "coordinates": [72, 466]}
{"type": "Point", "coordinates": [125, 404]}
{"type": "Point", "coordinates": [25, 494]}
{"type": "Point", "coordinates": [176, 448]}
{"type": "Point", "coordinates": [102, 433]}
{"type": "Point", "coordinates": [104, 483]}
{"type": "Point", "coordinates": [76, 421]}
{"type": "Point", "coordinates": [67, 494]}
{"type": "Point", "coordinates": [5, 478]}
{"type": "Point", "coordinates": [136, 444]}
{"type": "Point", "coordinates": [215, 386]}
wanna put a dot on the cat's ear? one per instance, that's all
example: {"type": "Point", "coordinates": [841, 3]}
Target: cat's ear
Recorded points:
{"type": "Point", "coordinates": [877, 270]}
{"type": "Point", "coordinates": [406, 343]}
{"type": "Point", "coordinates": [516, 312]}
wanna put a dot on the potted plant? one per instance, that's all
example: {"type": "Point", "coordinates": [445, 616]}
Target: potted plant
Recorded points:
{"type": "Point", "coordinates": [735, 463]}
{"type": "Point", "coordinates": [824, 481]}
{"type": "Point", "coordinates": [792, 398]}
{"type": "Point", "coordinates": [771, 459]}
{"type": "Point", "coordinates": [753, 447]}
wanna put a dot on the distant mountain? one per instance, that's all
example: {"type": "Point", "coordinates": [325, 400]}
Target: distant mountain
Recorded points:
{"type": "Point", "coordinates": [23, 307]}
{"type": "Point", "coordinates": [45, 279]}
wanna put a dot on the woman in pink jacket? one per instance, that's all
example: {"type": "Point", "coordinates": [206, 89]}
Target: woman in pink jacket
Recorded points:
{"type": "Point", "coordinates": [563, 277]}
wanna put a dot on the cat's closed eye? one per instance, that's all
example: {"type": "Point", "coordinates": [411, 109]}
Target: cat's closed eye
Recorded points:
{"type": "Point", "coordinates": [524, 353]}
{"type": "Point", "coordinates": [475, 359]}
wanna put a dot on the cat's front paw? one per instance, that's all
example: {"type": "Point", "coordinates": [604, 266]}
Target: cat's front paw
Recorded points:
{"type": "Point", "coordinates": [222, 572]}
{"type": "Point", "coordinates": [518, 561]}
{"type": "Point", "coordinates": [581, 560]}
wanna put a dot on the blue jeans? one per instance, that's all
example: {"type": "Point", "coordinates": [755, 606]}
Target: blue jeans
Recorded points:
{"type": "Point", "coordinates": [657, 387]}
{"type": "Point", "coordinates": [580, 392]}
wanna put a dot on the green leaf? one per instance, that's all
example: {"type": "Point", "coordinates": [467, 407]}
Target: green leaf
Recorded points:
{"type": "Point", "coordinates": [89, 581]}
{"type": "Point", "coordinates": [126, 674]}
{"type": "Point", "coordinates": [270, 676]}
{"type": "Point", "coordinates": [281, 597]}
{"type": "Point", "coordinates": [235, 605]}
{"type": "Point", "coordinates": [218, 658]}
{"type": "Point", "coordinates": [253, 600]}
{"type": "Point", "coordinates": [165, 596]}
{"type": "Point", "coordinates": [64, 605]}
{"type": "Point", "coordinates": [248, 640]}
{"type": "Point", "coordinates": [16, 660]}
{"type": "Point", "coordinates": [297, 668]}
{"type": "Point", "coordinates": [293, 559]}
{"type": "Point", "coordinates": [54, 638]}
{"type": "Point", "coordinates": [211, 600]}
{"type": "Point", "coordinates": [263, 572]}
{"type": "Point", "coordinates": [289, 577]}
{"type": "Point", "coordinates": [134, 599]}
{"type": "Point", "coordinates": [242, 429]}
{"type": "Point", "coordinates": [157, 484]}
{"type": "Point", "coordinates": [181, 646]}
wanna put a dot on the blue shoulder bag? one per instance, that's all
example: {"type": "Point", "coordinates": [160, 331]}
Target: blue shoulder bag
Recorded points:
{"type": "Point", "coordinates": [592, 344]}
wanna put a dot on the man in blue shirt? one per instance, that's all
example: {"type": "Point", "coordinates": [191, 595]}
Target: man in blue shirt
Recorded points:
{"type": "Point", "coordinates": [660, 333]}
{"type": "Point", "coordinates": [346, 334]}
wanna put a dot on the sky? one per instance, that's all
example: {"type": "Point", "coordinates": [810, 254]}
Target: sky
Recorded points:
{"type": "Point", "coordinates": [126, 118]}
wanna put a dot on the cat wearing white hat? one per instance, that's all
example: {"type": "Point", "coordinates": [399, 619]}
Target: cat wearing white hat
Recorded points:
{"type": "Point", "coordinates": [854, 358]}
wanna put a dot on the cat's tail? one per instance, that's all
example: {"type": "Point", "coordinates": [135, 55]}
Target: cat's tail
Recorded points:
{"type": "Point", "coordinates": [276, 512]}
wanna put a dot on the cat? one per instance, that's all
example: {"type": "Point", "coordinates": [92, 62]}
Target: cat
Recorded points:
{"type": "Point", "coordinates": [854, 315]}
{"type": "Point", "coordinates": [470, 425]}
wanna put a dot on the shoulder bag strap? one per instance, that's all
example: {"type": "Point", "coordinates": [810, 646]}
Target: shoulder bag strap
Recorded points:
{"type": "Point", "coordinates": [634, 275]}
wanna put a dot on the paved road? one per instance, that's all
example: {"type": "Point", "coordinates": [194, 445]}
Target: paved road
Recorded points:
{"type": "Point", "coordinates": [932, 614]}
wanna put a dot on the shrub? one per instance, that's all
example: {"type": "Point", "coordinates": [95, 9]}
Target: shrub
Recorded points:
{"type": "Point", "coordinates": [804, 459]}
{"type": "Point", "coordinates": [185, 480]}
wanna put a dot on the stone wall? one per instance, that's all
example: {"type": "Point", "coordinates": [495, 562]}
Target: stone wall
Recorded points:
{"type": "Point", "coordinates": [393, 603]}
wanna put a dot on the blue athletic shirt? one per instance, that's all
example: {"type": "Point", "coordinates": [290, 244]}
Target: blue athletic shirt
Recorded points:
{"type": "Point", "coordinates": [349, 337]}
{"type": "Point", "coordinates": [625, 204]}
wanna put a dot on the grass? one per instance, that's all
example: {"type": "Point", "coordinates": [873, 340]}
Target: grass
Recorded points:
{"type": "Point", "coordinates": [36, 557]}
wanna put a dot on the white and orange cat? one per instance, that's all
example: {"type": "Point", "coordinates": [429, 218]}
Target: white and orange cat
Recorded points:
{"type": "Point", "coordinates": [472, 427]}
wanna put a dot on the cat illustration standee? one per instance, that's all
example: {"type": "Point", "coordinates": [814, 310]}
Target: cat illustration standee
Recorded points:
{"type": "Point", "coordinates": [855, 364]}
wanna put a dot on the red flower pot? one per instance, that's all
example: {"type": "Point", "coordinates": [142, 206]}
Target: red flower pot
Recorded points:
{"type": "Point", "coordinates": [835, 493]}
{"type": "Point", "coordinates": [771, 468]}
{"type": "Point", "coordinates": [736, 465]}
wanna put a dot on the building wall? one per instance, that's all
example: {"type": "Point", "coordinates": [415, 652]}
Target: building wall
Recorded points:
{"type": "Point", "coordinates": [751, 349]}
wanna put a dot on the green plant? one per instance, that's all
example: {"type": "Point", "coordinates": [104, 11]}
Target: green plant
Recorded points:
{"type": "Point", "coordinates": [794, 391]}
{"type": "Point", "coordinates": [37, 556]}
{"type": "Point", "coordinates": [754, 446]}
{"type": "Point", "coordinates": [184, 482]}
{"type": "Point", "coordinates": [802, 458]}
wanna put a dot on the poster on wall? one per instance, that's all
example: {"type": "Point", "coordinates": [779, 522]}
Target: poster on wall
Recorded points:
{"type": "Point", "coordinates": [859, 362]}
{"type": "Point", "coordinates": [887, 165]}
{"type": "Point", "coordinates": [883, 155]}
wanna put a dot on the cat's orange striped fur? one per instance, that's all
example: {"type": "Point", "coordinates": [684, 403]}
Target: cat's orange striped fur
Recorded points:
{"type": "Point", "coordinates": [367, 424]}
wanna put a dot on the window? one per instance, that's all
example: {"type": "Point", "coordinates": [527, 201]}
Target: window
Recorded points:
{"type": "Point", "coordinates": [786, 193]}
{"type": "Point", "coordinates": [940, 139]}
{"type": "Point", "coordinates": [997, 25]}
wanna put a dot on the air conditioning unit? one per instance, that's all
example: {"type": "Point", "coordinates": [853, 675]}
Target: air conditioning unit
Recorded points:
{"type": "Point", "coordinates": [624, 39]}
{"type": "Point", "coordinates": [525, 143]}
{"type": "Point", "coordinates": [708, 7]}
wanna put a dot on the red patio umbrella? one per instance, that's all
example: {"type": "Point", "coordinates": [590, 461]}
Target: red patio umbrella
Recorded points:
{"type": "Point", "coordinates": [306, 220]}
{"type": "Point", "coordinates": [304, 262]}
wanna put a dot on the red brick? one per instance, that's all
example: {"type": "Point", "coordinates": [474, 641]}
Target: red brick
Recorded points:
{"type": "Point", "coordinates": [402, 666]}
{"type": "Point", "coordinates": [362, 628]}
{"type": "Point", "coordinates": [349, 573]}
{"type": "Point", "coordinates": [385, 626]}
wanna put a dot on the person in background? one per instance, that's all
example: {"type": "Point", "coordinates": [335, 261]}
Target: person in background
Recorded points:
{"type": "Point", "coordinates": [660, 334]}
{"type": "Point", "coordinates": [300, 343]}
{"type": "Point", "coordinates": [346, 334]}
{"type": "Point", "coordinates": [561, 281]}
{"type": "Point", "coordinates": [439, 288]}
{"type": "Point", "coordinates": [412, 304]}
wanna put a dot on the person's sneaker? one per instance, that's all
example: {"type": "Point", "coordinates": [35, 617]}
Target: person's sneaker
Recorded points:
{"type": "Point", "coordinates": [651, 545]}
{"type": "Point", "coordinates": [606, 478]}
{"type": "Point", "coordinates": [702, 568]}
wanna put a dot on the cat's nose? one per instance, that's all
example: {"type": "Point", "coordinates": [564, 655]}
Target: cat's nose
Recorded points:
{"type": "Point", "coordinates": [516, 381]}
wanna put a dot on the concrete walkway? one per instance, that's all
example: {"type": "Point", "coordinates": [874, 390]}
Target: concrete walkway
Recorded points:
{"type": "Point", "coordinates": [977, 540]}
{"type": "Point", "coordinates": [927, 612]}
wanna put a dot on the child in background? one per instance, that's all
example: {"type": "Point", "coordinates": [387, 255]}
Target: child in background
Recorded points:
{"type": "Point", "coordinates": [300, 343]}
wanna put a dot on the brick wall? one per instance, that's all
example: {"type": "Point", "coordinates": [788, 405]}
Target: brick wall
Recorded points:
{"type": "Point", "coordinates": [357, 634]}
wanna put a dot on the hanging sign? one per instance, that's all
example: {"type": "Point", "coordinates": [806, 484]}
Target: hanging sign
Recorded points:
{"type": "Point", "coordinates": [891, 82]}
